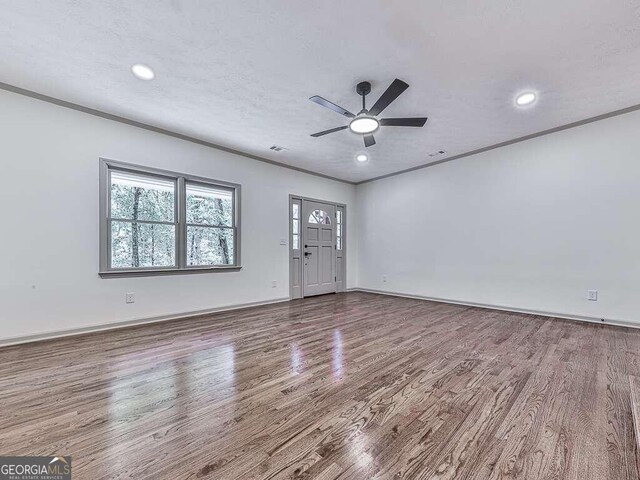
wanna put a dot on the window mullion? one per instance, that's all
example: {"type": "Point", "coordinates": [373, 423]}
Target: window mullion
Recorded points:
{"type": "Point", "coordinates": [209, 226]}
{"type": "Point", "coordinates": [181, 216]}
{"type": "Point", "coordinates": [149, 222]}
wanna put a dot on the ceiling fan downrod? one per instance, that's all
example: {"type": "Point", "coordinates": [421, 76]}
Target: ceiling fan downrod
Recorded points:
{"type": "Point", "coordinates": [363, 88]}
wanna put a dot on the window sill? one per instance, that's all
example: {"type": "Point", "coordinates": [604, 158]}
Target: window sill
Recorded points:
{"type": "Point", "coordinates": [166, 271]}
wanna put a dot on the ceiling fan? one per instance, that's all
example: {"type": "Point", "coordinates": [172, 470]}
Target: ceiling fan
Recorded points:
{"type": "Point", "coordinates": [365, 122]}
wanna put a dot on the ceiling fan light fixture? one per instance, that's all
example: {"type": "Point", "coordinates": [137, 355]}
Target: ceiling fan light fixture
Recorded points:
{"type": "Point", "coordinates": [364, 125]}
{"type": "Point", "coordinates": [526, 98]}
{"type": "Point", "coordinates": [143, 72]}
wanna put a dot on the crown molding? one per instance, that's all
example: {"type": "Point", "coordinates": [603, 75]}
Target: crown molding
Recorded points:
{"type": "Point", "coordinates": [163, 131]}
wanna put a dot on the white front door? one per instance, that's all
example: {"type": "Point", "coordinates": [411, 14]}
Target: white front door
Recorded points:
{"type": "Point", "coordinates": [318, 247]}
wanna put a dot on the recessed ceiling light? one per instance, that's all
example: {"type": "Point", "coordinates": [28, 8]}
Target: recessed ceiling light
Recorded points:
{"type": "Point", "coordinates": [142, 72]}
{"type": "Point", "coordinates": [364, 124]}
{"type": "Point", "coordinates": [525, 99]}
{"type": "Point", "coordinates": [362, 158]}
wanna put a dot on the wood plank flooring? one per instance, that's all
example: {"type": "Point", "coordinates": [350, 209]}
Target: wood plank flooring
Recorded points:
{"type": "Point", "coordinates": [348, 386]}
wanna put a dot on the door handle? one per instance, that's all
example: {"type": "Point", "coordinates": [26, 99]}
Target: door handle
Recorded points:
{"type": "Point", "coordinates": [306, 254]}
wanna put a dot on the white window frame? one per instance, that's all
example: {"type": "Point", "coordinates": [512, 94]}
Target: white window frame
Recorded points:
{"type": "Point", "coordinates": [180, 179]}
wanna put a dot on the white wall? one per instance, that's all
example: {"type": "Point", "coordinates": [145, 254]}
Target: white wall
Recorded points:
{"type": "Point", "coordinates": [531, 226]}
{"type": "Point", "coordinates": [49, 215]}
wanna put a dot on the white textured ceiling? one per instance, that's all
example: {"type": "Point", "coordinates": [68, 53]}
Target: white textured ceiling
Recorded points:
{"type": "Point", "coordinates": [239, 73]}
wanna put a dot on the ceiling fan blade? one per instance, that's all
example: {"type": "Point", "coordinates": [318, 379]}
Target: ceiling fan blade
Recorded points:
{"type": "Point", "coordinates": [393, 92]}
{"type": "Point", "coordinates": [403, 122]}
{"type": "Point", "coordinates": [369, 140]}
{"type": "Point", "coordinates": [332, 106]}
{"type": "Point", "coordinates": [319, 134]}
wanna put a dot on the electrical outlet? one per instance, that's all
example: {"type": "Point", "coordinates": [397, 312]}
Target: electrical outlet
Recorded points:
{"type": "Point", "coordinates": [130, 298]}
{"type": "Point", "coordinates": [384, 278]}
{"type": "Point", "coordinates": [274, 284]}
{"type": "Point", "coordinates": [592, 295]}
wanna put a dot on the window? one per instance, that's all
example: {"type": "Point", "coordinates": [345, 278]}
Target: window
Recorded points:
{"type": "Point", "coordinates": [338, 229]}
{"type": "Point", "coordinates": [142, 220]}
{"type": "Point", "coordinates": [154, 221]}
{"type": "Point", "coordinates": [209, 225]}
{"type": "Point", "coordinates": [319, 216]}
{"type": "Point", "coordinates": [295, 214]}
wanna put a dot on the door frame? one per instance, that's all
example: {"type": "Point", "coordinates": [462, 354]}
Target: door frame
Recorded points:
{"type": "Point", "coordinates": [300, 272]}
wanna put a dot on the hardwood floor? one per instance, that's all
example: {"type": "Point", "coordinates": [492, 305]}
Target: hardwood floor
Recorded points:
{"type": "Point", "coordinates": [348, 386]}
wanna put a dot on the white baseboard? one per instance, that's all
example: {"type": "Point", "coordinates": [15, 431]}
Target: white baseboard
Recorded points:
{"type": "Point", "coordinates": [504, 308]}
{"type": "Point", "coordinates": [130, 323]}
{"type": "Point", "coordinates": [149, 320]}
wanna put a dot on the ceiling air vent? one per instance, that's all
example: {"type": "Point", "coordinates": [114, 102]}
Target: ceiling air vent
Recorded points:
{"type": "Point", "coordinates": [439, 153]}
{"type": "Point", "coordinates": [276, 148]}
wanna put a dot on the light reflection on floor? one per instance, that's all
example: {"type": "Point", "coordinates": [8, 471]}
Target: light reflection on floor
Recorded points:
{"type": "Point", "coordinates": [337, 355]}
{"type": "Point", "coordinates": [153, 392]}
{"type": "Point", "coordinates": [297, 359]}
